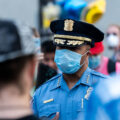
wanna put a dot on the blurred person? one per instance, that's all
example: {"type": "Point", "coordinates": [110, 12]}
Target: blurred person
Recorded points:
{"type": "Point", "coordinates": [47, 68]}
{"type": "Point", "coordinates": [17, 66]}
{"type": "Point", "coordinates": [68, 93]}
{"type": "Point", "coordinates": [113, 40]}
{"type": "Point", "coordinates": [104, 104]}
{"type": "Point", "coordinates": [39, 55]}
{"type": "Point", "coordinates": [44, 74]}
{"type": "Point", "coordinates": [118, 56]}
{"type": "Point", "coordinates": [37, 41]}
{"type": "Point", "coordinates": [48, 48]}
{"type": "Point", "coordinates": [101, 63]}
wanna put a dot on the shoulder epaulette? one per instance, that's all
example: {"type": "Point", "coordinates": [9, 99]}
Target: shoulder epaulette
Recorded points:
{"type": "Point", "coordinates": [53, 78]}
{"type": "Point", "coordinates": [99, 74]}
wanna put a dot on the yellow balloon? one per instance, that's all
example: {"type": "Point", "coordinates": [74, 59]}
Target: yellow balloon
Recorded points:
{"type": "Point", "coordinates": [94, 11]}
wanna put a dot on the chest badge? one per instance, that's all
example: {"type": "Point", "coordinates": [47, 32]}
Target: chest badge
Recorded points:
{"type": "Point", "coordinates": [89, 91]}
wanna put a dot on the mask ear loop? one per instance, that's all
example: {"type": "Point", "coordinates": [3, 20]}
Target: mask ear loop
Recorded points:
{"type": "Point", "coordinates": [84, 59]}
{"type": "Point", "coordinates": [85, 53]}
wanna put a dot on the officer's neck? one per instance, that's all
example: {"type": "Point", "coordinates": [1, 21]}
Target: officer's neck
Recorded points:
{"type": "Point", "coordinates": [72, 79]}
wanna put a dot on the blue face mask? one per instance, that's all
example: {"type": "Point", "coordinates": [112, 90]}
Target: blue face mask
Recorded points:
{"type": "Point", "coordinates": [68, 61]}
{"type": "Point", "coordinates": [94, 61]}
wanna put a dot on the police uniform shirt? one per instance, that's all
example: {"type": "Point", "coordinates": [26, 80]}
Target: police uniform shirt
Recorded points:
{"type": "Point", "coordinates": [55, 96]}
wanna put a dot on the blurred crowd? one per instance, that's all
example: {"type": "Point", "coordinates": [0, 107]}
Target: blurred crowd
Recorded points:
{"type": "Point", "coordinates": [53, 78]}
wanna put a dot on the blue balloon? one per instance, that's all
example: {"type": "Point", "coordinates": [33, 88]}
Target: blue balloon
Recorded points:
{"type": "Point", "coordinates": [75, 5]}
{"type": "Point", "coordinates": [73, 8]}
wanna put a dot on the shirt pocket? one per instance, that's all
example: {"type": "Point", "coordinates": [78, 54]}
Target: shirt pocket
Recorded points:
{"type": "Point", "coordinates": [81, 105]}
{"type": "Point", "coordinates": [81, 109]}
{"type": "Point", "coordinates": [49, 110]}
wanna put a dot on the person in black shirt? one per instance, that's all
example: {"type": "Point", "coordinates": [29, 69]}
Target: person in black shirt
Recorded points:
{"type": "Point", "coordinates": [48, 49]}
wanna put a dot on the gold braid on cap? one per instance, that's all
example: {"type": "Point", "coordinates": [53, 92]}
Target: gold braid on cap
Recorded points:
{"type": "Point", "coordinates": [72, 37]}
{"type": "Point", "coordinates": [68, 42]}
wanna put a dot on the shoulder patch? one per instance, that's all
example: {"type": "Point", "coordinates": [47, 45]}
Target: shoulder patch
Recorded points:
{"type": "Point", "coordinates": [96, 77]}
{"type": "Point", "coordinates": [99, 74]}
{"type": "Point", "coordinates": [52, 79]}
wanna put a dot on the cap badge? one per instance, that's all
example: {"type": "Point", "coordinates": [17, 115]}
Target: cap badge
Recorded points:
{"type": "Point", "coordinates": [68, 25]}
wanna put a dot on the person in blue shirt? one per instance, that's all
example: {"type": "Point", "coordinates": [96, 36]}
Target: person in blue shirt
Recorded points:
{"type": "Point", "coordinates": [104, 104]}
{"type": "Point", "coordinates": [68, 93]}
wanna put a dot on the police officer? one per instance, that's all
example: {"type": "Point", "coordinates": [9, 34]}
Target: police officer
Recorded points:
{"type": "Point", "coordinates": [68, 92]}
